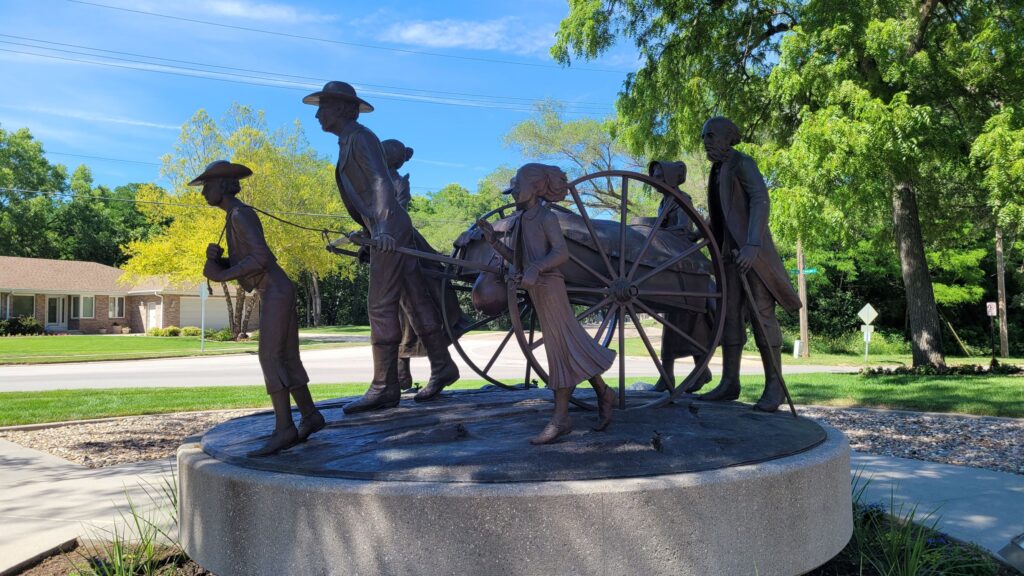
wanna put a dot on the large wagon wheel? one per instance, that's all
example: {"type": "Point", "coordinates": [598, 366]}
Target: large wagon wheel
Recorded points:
{"type": "Point", "coordinates": [519, 307]}
{"type": "Point", "coordinates": [621, 294]}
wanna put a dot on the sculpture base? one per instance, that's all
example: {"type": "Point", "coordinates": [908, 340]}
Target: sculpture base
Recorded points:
{"type": "Point", "coordinates": [784, 514]}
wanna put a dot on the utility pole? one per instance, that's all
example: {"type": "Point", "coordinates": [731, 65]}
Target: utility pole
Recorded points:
{"type": "Point", "coordinates": [1004, 342]}
{"type": "Point", "coordinates": [801, 282]}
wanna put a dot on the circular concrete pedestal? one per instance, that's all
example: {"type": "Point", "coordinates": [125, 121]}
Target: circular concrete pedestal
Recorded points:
{"type": "Point", "coordinates": [781, 515]}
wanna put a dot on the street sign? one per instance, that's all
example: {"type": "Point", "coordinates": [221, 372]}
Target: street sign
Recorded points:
{"type": "Point", "coordinates": [867, 329]}
{"type": "Point", "coordinates": [991, 308]}
{"type": "Point", "coordinates": [806, 270]}
{"type": "Point", "coordinates": [867, 314]}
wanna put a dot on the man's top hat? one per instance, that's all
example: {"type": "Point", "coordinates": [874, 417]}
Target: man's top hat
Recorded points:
{"type": "Point", "coordinates": [338, 90]}
{"type": "Point", "coordinates": [221, 169]}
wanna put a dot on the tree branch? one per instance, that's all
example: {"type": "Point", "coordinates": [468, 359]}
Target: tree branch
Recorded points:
{"type": "Point", "coordinates": [927, 10]}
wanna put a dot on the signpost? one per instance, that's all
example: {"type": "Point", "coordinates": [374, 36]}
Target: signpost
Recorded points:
{"type": "Point", "coordinates": [203, 295]}
{"type": "Point", "coordinates": [868, 315]}
{"type": "Point", "coordinates": [992, 310]}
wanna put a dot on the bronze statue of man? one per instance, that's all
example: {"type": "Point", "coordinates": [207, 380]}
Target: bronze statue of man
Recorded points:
{"type": "Point", "coordinates": [368, 193]}
{"type": "Point", "coordinates": [253, 265]}
{"type": "Point", "coordinates": [739, 205]}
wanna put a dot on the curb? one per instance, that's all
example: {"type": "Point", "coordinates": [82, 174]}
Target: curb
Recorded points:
{"type": "Point", "coordinates": [61, 548]}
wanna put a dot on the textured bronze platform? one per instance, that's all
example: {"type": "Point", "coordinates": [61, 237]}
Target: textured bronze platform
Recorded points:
{"type": "Point", "coordinates": [482, 436]}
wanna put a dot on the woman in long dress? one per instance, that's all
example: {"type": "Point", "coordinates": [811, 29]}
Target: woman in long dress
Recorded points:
{"type": "Point", "coordinates": [538, 249]}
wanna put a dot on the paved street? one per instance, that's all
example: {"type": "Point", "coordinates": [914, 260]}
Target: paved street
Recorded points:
{"type": "Point", "coordinates": [351, 364]}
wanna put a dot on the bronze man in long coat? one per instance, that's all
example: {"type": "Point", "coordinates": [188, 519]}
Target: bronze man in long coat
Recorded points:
{"type": "Point", "coordinates": [254, 266]}
{"type": "Point", "coordinates": [739, 205]}
{"type": "Point", "coordinates": [368, 193]}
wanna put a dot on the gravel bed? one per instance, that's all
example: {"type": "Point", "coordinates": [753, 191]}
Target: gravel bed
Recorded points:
{"type": "Point", "coordinates": [978, 442]}
{"type": "Point", "coordinates": [991, 443]}
{"type": "Point", "coordinates": [121, 440]}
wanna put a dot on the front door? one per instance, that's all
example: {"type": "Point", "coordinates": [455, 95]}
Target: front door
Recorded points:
{"type": "Point", "coordinates": [56, 313]}
{"type": "Point", "coordinates": [152, 318]}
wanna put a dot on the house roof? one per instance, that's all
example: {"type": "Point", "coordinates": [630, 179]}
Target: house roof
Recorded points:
{"type": "Point", "coordinates": [73, 277]}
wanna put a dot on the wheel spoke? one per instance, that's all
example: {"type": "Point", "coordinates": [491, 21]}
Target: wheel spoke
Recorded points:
{"type": "Point", "coordinates": [669, 293]}
{"type": "Point", "coordinates": [672, 261]}
{"type": "Point", "coordinates": [592, 309]}
{"type": "Point", "coordinates": [648, 240]}
{"type": "Point", "coordinates": [623, 221]}
{"type": "Point", "coordinates": [533, 324]}
{"type": "Point", "coordinates": [590, 229]}
{"type": "Point", "coordinates": [622, 357]}
{"type": "Point", "coordinates": [703, 349]}
{"type": "Point", "coordinates": [608, 317]}
{"type": "Point", "coordinates": [670, 382]}
{"type": "Point", "coordinates": [585, 290]}
{"type": "Point", "coordinates": [501, 347]}
{"type": "Point", "coordinates": [593, 272]}
{"type": "Point", "coordinates": [483, 322]}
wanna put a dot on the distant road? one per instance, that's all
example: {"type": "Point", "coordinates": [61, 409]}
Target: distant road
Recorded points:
{"type": "Point", "coordinates": [331, 365]}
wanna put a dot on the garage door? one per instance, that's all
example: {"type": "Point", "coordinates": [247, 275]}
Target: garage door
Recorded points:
{"type": "Point", "coordinates": [216, 312]}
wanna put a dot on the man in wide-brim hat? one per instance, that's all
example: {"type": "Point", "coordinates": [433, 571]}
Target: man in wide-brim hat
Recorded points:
{"type": "Point", "coordinates": [369, 196]}
{"type": "Point", "coordinates": [253, 265]}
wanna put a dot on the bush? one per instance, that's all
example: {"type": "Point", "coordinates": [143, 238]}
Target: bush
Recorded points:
{"type": "Point", "coordinates": [191, 331]}
{"type": "Point", "coordinates": [20, 326]}
{"type": "Point", "coordinates": [172, 331]}
{"type": "Point", "coordinates": [222, 335]}
{"type": "Point", "coordinates": [155, 332]}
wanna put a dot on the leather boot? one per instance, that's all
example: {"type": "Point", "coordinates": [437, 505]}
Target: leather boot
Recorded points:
{"type": "Point", "coordinates": [729, 386]}
{"type": "Point", "coordinates": [384, 391]}
{"type": "Point", "coordinates": [443, 370]}
{"type": "Point", "coordinates": [773, 396]}
{"type": "Point", "coordinates": [696, 381]}
{"type": "Point", "coordinates": [404, 374]}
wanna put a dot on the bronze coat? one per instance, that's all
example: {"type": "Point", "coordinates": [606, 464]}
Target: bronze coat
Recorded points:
{"type": "Point", "coordinates": [745, 206]}
{"type": "Point", "coordinates": [365, 183]}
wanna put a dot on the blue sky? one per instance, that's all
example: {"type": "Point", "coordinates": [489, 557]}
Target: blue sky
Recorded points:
{"type": "Point", "coordinates": [488, 62]}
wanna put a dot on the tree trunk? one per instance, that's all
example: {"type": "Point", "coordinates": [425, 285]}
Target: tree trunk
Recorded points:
{"type": "Point", "coordinates": [314, 301]}
{"type": "Point", "coordinates": [1004, 340]}
{"type": "Point", "coordinates": [236, 321]}
{"type": "Point", "coordinates": [231, 309]}
{"type": "Point", "coordinates": [922, 313]}
{"type": "Point", "coordinates": [805, 344]}
{"type": "Point", "coordinates": [251, 303]}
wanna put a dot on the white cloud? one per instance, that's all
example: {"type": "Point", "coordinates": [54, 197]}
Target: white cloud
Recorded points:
{"type": "Point", "coordinates": [508, 34]}
{"type": "Point", "coordinates": [89, 117]}
{"type": "Point", "coordinates": [267, 12]}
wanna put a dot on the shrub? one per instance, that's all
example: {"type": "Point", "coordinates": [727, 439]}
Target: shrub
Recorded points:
{"type": "Point", "coordinates": [172, 331]}
{"type": "Point", "coordinates": [191, 331]}
{"type": "Point", "coordinates": [155, 332]}
{"type": "Point", "coordinates": [222, 335]}
{"type": "Point", "coordinates": [20, 326]}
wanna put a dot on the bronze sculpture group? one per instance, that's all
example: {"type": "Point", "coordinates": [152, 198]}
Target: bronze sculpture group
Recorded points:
{"type": "Point", "coordinates": [406, 317]}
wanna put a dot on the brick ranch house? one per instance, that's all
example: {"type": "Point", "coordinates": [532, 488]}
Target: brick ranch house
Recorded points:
{"type": "Point", "coordinates": [86, 297]}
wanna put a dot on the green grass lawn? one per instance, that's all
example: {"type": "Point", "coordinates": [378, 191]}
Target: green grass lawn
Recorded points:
{"type": "Point", "coordinates": [338, 330]}
{"type": "Point", "coordinates": [55, 349]}
{"type": "Point", "coordinates": [981, 395]}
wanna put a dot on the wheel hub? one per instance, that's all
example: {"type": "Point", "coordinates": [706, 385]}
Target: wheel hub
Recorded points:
{"type": "Point", "coordinates": [623, 290]}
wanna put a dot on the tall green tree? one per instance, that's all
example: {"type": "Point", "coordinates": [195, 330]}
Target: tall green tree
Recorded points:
{"type": "Point", "coordinates": [289, 180]}
{"type": "Point", "coordinates": [29, 189]}
{"type": "Point", "coordinates": [885, 97]}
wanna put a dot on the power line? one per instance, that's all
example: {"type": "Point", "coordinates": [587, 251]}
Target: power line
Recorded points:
{"type": "Point", "coordinates": [596, 105]}
{"type": "Point", "coordinates": [341, 42]}
{"type": "Point", "coordinates": [73, 196]}
{"type": "Point", "coordinates": [279, 83]}
{"type": "Point", "coordinates": [158, 164]}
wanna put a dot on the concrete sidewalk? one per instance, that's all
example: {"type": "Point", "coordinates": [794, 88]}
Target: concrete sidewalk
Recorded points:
{"type": "Point", "coordinates": [46, 501]}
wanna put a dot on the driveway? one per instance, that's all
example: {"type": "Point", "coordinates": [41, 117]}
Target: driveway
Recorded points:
{"type": "Point", "coordinates": [333, 365]}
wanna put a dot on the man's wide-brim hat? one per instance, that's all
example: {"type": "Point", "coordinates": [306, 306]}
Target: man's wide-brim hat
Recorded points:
{"type": "Point", "coordinates": [222, 169]}
{"type": "Point", "coordinates": [335, 90]}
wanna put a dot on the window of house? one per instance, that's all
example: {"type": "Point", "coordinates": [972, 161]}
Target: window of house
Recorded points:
{"type": "Point", "coordinates": [83, 306]}
{"type": "Point", "coordinates": [116, 307]}
{"type": "Point", "coordinates": [23, 305]}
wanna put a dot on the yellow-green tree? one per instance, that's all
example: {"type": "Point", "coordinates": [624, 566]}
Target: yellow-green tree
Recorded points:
{"type": "Point", "coordinates": [289, 180]}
